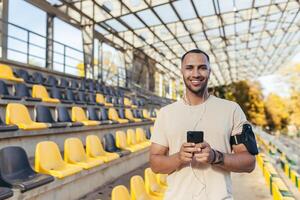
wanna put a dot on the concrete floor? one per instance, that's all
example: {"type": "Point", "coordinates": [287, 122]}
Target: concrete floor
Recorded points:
{"type": "Point", "coordinates": [245, 186]}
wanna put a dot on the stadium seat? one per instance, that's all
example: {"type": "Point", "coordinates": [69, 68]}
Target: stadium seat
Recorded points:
{"type": "Point", "coordinates": [121, 142]}
{"type": "Point", "coordinates": [101, 100]}
{"type": "Point", "coordinates": [93, 115]}
{"type": "Point", "coordinates": [94, 149]}
{"type": "Point", "coordinates": [148, 133]}
{"type": "Point", "coordinates": [6, 127]}
{"type": "Point", "coordinates": [40, 79]}
{"type": "Point", "coordinates": [22, 91]}
{"type": "Point", "coordinates": [84, 97]}
{"type": "Point", "coordinates": [48, 160]}
{"type": "Point", "coordinates": [57, 94]}
{"type": "Point", "coordinates": [121, 113]}
{"type": "Point", "coordinates": [120, 192]}
{"type": "Point", "coordinates": [16, 172]}
{"type": "Point", "coordinates": [146, 115]}
{"type": "Point", "coordinates": [74, 84]}
{"type": "Point", "coordinates": [127, 102]}
{"type": "Point", "coordinates": [74, 153]}
{"type": "Point", "coordinates": [39, 91]}
{"type": "Point", "coordinates": [5, 193]}
{"type": "Point", "coordinates": [138, 190]}
{"type": "Point", "coordinates": [70, 97]}
{"type": "Point", "coordinates": [104, 116]}
{"type": "Point", "coordinates": [151, 184]}
{"type": "Point", "coordinates": [82, 85]}
{"type": "Point", "coordinates": [129, 115]}
{"type": "Point", "coordinates": [121, 101]}
{"type": "Point", "coordinates": [91, 99]}
{"type": "Point", "coordinates": [110, 145]}
{"type": "Point", "coordinates": [113, 115]}
{"type": "Point", "coordinates": [131, 139]}
{"type": "Point", "coordinates": [64, 83]}
{"type": "Point", "coordinates": [162, 180]}
{"type": "Point", "coordinates": [7, 73]}
{"type": "Point", "coordinates": [22, 73]}
{"type": "Point", "coordinates": [91, 86]}
{"type": "Point", "coordinates": [141, 137]}
{"type": "Point", "coordinates": [18, 114]}
{"type": "Point", "coordinates": [52, 81]}
{"type": "Point", "coordinates": [4, 93]}
{"type": "Point", "coordinates": [78, 115]}
{"type": "Point", "coordinates": [63, 116]}
{"type": "Point", "coordinates": [99, 88]}
{"type": "Point", "coordinates": [43, 114]}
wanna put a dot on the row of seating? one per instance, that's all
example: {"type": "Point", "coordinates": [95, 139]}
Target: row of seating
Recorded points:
{"type": "Point", "coordinates": [48, 159]}
{"type": "Point", "coordinates": [153, 188]}
{"type": "Point", "coordinates": [18, 115]}
{"type": "Point", "coordinates": [16, 171]}
{"type": "Point", "coordinates": [56, 95]}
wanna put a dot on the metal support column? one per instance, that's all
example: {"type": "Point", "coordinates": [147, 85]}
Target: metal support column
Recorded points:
{"type": "Point", "coordinates": [3, 28]}
{"type": "Point", "coordinates": [88, 49]}
{"type": "Point", "coordinates": [49, 41]}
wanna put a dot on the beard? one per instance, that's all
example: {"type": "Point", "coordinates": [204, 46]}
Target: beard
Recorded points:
{"type": "Point", "coordinates": [198, 91]}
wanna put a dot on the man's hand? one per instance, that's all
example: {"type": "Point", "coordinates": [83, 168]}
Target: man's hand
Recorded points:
{"type": "Point", "coordinates": [185, 154]}
{"type": "Point", "coordinates": [204, 153]}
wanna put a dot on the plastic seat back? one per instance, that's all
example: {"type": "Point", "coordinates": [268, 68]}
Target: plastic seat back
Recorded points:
{"type": "Point", "coordinates": [43, 114]}
{"type": "Point", "coordinates": [24, 75]}
{"type": "Point", "coordinates": [137, 188]}
{"type": "Point", "coordinates": [121, 141]}
{"type": "Point", "coordinates": [91, 98]}
{"type": "Point", "coordinates": [94, 147]}
{"type": "Point", "coordinates": [70, 95]}
{"type": "Point", "coordinates": [100, 98]}
{"type": "Point", "coordinates": [131, 138]}
{"type": "Point", "coordinates": [120, 192]}
{"type": "Point", "coordinates": [78, 114]}
{"type": "Point", "coordinates": [56, 93]}
{"type": "Point", "coordinates": [38, 77]}
{"type": "Point", "coordinates": [140, 135]}
{"type": "Point", "coordinates": [14, 162]}
{"type": "Point", "coordinates": [74, 150]}
{"type": "Point", "coordinates": [104, 115]}
{"type": "Point", "coordinates": [21, 90]}
{"type": "Point", "coordinates": [64, 83]}
{"type": "Point", "coordinates": [81, 96]}
{"type": "Point", "coordinates": [6, 71]}
{"type": "Point", "coordinates": [145, 113]}
{"type": "Point", "coordinates": [52, 81]}
{"type": "Point", "coordinates": [63, 114]}
{"type": "Point", "coordinates": [3, 88]}
{"type": "Point", "coordinates": [150, 180]}
{"type": "Point", "coordinates": [92, 113]}
{"type": "Point", "coordinates": [128, 114]}
{"type": "Point", "coordinates": [17, 113]}
{"type": "Point", "coordinates": [148, 133]}
{"type": "Point", "coordinates": [74, 84]}
{"type": "Point", "coordinates": [47, 156]}
{"type": "Point", "coordinates": [113, 114]}
{"type": "Point", "coordinates": [39, 91]}
{"type": "Point", "coordinates": [109, 143]}
{"type": "Point", "coordinates": [121, 113]}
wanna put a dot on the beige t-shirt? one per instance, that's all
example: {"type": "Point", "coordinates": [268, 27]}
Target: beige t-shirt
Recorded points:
{"type": "Point", "coordinates": [218, 119]}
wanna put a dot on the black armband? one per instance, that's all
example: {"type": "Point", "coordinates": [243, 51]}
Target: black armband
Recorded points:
{"type": "Point", "coordinates": [247, 138]}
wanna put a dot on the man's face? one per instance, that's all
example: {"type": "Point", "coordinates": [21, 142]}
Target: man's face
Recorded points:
{"type": "Point", "coordinates": [195, 70]}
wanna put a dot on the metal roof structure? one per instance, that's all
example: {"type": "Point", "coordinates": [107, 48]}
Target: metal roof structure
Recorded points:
{"type": "Point", "coordinates": [244, 39]}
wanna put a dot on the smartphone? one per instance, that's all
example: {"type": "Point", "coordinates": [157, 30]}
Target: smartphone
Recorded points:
{"type": "Point", "coordinates": [195, 136]}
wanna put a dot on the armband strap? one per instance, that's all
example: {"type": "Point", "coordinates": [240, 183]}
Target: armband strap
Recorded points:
{"type": "Point", "coordinates": [247, 138]}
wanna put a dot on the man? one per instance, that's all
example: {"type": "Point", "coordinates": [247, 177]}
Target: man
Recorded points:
{"type": "Point", "coordinates": [199, 171]}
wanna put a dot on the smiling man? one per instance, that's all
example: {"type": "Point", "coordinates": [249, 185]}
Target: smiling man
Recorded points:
{"type": "Point", "coordinates": [201, 171]}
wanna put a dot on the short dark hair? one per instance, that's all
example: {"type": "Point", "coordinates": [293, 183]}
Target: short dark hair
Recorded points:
{"type": "Point", "coordinates": [195, 51]}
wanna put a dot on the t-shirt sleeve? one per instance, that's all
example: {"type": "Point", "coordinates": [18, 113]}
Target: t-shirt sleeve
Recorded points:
{"type": "Point", "coordinates": [239, 119]}
{"type": "Point", "coordinates": [159, 133]}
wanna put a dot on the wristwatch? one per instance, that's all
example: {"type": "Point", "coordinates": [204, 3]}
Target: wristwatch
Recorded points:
{"type": "Point", "coordinates": [219, 158]}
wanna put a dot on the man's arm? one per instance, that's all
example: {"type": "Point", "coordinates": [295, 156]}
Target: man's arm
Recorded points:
{"type": "Point", "coordinates": [161, 162]}
{"type": "Point", "coordinates": [240, 161]}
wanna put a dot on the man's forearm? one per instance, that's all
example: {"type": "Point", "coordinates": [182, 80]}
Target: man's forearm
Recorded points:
{"type": "Point", "coordinates": [164, 164]}
{"type": "Point", "coordinates": [238, 162]}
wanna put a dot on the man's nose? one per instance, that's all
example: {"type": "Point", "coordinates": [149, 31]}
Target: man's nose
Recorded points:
{"type": "Point", "coordinates": [195, 73]}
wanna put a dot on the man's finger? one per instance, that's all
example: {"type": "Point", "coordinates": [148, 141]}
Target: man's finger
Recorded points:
{"type": "Point", "coordinates": [188, 144]}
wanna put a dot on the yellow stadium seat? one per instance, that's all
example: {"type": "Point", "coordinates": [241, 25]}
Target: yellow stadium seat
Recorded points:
{"type": "Point", "coordinates": [39, 91]}
{"type": "Point", "coordinates": [48, 160]}
{"type": "Point", "coordinates": [120, 192]}
{"type": "Point", "coordinates": [280, 190]}
{"type": "Point", "coordinates": [162, 180]}
{"type": "Point", "coordinates": [7, 73]}
{"type": "Point", "coordinates": [74, 153]}
{"type": "Point", "coordinates": [131, 139]}
{"type": "Point", "coordinates": [138, 190]}
{"type": "Point", "coordinates": [151, 129]}
{"type": "Point", "coordinates": [146, 115]}
{"type": "Point", "coordinates": [113, 115]}
{"type": "Point", "coordinates": [121, 142]}
{"type": "Point", "coordinates": [151, 184]}
{"type": "Point", "coordinates": [129, 115]}
{"type": "Point", "coordinates": [141, 137]}
{"type": "Point", "coordinates": [18, 114]}
{"type": "Point", "coordinates": [127, 102]}
{"type": "Point", "coordinates": [100, 99]}
{"type": "Point", "coordinates": [94, 149]}
{"type": "Point", "coordinates": [78, 115]}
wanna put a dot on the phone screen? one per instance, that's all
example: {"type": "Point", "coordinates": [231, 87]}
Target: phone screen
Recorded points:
{"type": "Point", "coordinates": [195, 136]}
